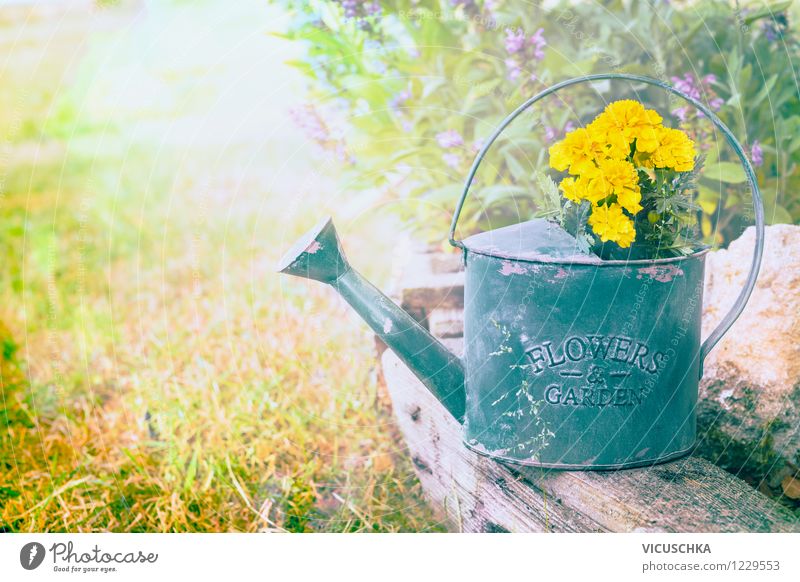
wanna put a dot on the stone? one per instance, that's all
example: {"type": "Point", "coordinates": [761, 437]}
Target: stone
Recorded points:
{"type": "Point", "coordinates": [791, 487]}
{"type": "Point", "coordinates": [749, 407]}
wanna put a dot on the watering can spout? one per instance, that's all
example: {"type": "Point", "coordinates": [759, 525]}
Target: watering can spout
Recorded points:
{"type": "Point", "coordinates": [318, 255]}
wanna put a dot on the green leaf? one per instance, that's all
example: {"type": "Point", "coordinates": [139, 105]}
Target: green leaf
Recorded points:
{"type": "Point", "coordinates": [329, 15]}
{"type": "Point", "coordinates": [447, 193]}
{"type": "Point", "coordinates": [306, 68]}
{"type": "Point", "coordinates": [494, 194]}
{"type": "Point", "coordinates": [708, 199]}
{"type": "Point", "coordinates": [518, 171]}
{"type": "Point", "coordinates": [767, 11]}
{"type": "Point", "coordinates": [191, 472]}
{"type": "Point", "coordinates": [763, 93]}
{"type": "Point", "coordinates": [477, 91]}
{"type": "Point", "coordinates": [8, 493]}
{"type": "Point", "coordinates": [778, 215]}
{"type": "Point", "coordinates": [728, 172]}
{"type": "Point", "coordinates": [712, 155]}
{"type": "Point", "coordinates": [551, 198]}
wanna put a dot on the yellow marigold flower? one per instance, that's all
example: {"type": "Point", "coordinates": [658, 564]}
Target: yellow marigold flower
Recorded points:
{"type": "Point", "coordinates": [630, 120]}
{"type": "Point", "coordinates": [603, 172]}
{"type": "Point", "coordinates": [610, 223]}
{"type": "Point", "coordinates": [617, 145]}
{"type": "Point", "coordinates": [675, 150]}
{"type": "Point", "coordinates": [647, 139]}
{"type": "Point", "coordinates": [577, 151]}
{"type": "Point", "coordinates": [573, 189]}
{"type": "Point", "coordinates": [630, 200]}
{"type": "Point", "coordinates": [590, 185]}
{"type": "Point", "coordinates": [560, 157]}
{"type": "Point", "coordinates": [620, 178]}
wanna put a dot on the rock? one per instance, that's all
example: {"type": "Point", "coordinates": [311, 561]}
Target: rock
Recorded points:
{"type": "Point", "coordinates": [791, 487]}
{"type": "Point", "coordinates": [749, 408]}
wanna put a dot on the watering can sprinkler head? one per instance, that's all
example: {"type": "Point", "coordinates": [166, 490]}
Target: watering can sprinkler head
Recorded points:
{"type": "Point", "coordinates": [318, 255]}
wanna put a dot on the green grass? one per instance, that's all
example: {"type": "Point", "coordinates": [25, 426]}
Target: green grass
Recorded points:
{"type": "Point", "coordinates": [156, 375]}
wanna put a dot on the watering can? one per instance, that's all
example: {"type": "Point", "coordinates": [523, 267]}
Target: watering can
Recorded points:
{"type": "Point", "coordinates": [570, 361]}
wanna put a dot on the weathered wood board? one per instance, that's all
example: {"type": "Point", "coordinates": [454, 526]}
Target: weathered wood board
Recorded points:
{"type": "Point", "coordinates": [477, 494]}
{"type": "Point", "coordinates": [481, 495]}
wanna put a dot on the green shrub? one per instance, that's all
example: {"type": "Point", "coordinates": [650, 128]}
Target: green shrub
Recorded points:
{"type": "Point", "coordinates": [417, 86]}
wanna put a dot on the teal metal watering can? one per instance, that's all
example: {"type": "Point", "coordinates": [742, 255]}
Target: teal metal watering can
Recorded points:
{"type": "Point", "coordinates": [570, 361]}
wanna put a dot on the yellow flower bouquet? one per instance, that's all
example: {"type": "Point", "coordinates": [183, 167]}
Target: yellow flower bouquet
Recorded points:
{"type": "Point", "coordinates": [630, 181]}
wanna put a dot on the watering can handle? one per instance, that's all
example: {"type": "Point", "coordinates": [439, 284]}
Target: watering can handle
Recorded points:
{"type": "Point", "coordinates": [741, 300]}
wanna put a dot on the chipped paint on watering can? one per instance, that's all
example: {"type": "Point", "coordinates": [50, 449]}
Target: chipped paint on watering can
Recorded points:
{"type": "Point", "coordinates": [570, 361]}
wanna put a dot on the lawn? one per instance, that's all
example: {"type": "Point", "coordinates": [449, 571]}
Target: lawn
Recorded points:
{"type": "Point", "coordinates": [157, 375]}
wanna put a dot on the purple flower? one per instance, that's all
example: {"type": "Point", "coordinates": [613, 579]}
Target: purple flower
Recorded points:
{"type": "Point", "coordinates": [523, 50]}
{"type": "Point", "coordinates": [309, 120]}
{"type": "Point", "coordinates": [538, 42]}
{"type": "Point", "coordinates": [756, 154]}
{"type": "Point", "coordinates": [372, 8]}
{"type": "Point", "coordinates": [513, 68]}
{"type": "Point", "coordinates": [682, 113]}
{"type": "Point", "coordinates": [359, 10]}
{"type": "Point", "coordinates": [696, 89]}
{"type": "Point", "coordinates": [350, 8]}
{"type": "Point", "coordinates": [313, 124]}
{"type": "Point", "coordinates": [452, 159]}
{"type": "Point", "coordinates": [569, 127]}
{"type": "Point", "coordinates": [469, 5]}
{"type": "Point", "coordinates": [550, 133]}
{"type": "Point", "coordinates": [399, 99]}
{"type": "Point", "coordinates": [450, 139]}
{"type": "Point", "coordinates": [770, 31]}
{"type": "Point", "coordinates": [515, 40]}
{"type": "Point", "coordinates": [686, 84]}
{"type": "Point", "coordinates": [775, 28]}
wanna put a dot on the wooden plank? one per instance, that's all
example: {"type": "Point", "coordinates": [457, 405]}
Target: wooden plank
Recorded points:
{"type": "Point", "coordinates": [446, 323]}
{"type": "Point", "coordinates": [429, 281]}
{"type": "Point", "coordinates": [421, 296]}
{"type": "Point", "coordinates": [477, 494]}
